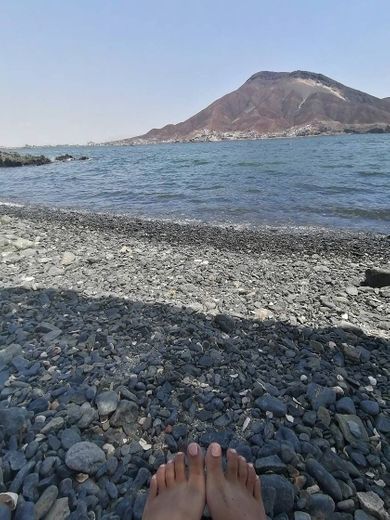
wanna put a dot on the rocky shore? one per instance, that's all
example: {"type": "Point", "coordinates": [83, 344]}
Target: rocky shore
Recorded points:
{"type": "Point", "coordinates": [123, 340]}
{"type": "Point", "coordinates": [14, 159]}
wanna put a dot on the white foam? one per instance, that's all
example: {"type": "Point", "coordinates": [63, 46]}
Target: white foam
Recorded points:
{"type": "Point", "coordinates": [11, 204]}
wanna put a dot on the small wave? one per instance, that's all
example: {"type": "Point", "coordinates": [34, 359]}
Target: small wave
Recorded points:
{"type": "Point", "coordinates": [248, 163]}
{"type": "Point", "coordinates": [254, 190]}
{"type": "Point", "coordinates": [332, 190]}
{"type": "Point", "coordinates": [370, 174]}
{"type": "Point", "coordinates": [337, 166]}
{"type": "Point", "coordinates": [200, 162]}
{"type": "Point", "coordinates": [169, 196]}
{"type": "Point", "coordinates": [371, 214]}
{"type": "Point", "coordinates": [11, 204]}
{"type": "Point", "coordinates": [349, 213]}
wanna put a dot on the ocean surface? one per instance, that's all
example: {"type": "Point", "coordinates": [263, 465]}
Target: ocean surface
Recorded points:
{"type": "Point", "coordinates": [326, 181]}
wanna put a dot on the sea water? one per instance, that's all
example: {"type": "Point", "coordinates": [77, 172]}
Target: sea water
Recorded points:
{"type": "Point", "coordinates": [327, 181]}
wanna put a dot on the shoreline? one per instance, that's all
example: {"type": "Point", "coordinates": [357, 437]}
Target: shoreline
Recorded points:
{"type": "Point", "coordinates": [278, 239]}
{"type": "Point", "coordinates": [123, 340]}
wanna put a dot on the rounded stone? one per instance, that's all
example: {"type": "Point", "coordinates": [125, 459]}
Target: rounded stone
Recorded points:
{"type": "Point", "coordinates": [85, 457]}
{"type": "Point", "coordinates": [106, 402]}
{"type": "Point", "coordinates": [346, 405]}
{"type": "Point", "coordinates": [320, 506]}
{"type": "Point", "coordinates": [369, 407]}
{"type": "Point", "coordinates": [284, 492]}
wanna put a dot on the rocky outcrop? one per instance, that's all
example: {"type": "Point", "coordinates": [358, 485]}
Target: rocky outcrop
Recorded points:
{"type": "Point", "coordinates": [279, 104]}
{"type": "Point", "coordinates": [67, 157]}
{"type": "Point", "coordinates": [9, 159]}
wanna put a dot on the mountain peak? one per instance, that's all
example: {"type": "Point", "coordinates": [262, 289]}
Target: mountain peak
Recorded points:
{"type": "Point", "coordinates": [280, 104]}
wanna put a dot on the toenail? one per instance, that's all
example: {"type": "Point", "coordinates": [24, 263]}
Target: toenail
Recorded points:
{"type": "Point", "coordinates": [216, 450]}
{"type": "Point", "coordinates": [233, 451]}
{"type": "Point", "coordinates": [193, 449]}
{"type": "Point", "coordinates": [170, 461]}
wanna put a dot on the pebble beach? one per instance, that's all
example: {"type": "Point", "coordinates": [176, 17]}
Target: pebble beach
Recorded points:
{"type": "Point", "coordinates": [122, 340]}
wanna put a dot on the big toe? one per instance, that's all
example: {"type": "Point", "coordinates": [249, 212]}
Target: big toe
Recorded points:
{"type": "Point", "coordinates": [195, 463]}
{"type": "Point", "coordinates": [214, 461]}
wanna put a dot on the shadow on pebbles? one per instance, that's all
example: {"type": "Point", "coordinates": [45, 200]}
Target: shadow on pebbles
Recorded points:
{"type": "Point", "coordinates": [98, 390]}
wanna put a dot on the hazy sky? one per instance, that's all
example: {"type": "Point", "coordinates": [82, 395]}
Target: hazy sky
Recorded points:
{"type": "Point", "coordinates": [80, 70]}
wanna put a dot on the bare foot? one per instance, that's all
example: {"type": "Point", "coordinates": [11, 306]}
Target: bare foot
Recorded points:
{"type": "Point", "coordinates": [235, 493]}
{"type": "Point", "coordinates": [175, 496]}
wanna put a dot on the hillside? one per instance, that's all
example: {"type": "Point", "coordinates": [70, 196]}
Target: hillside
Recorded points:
{"type": "Point", "coordinates": [279, 104]}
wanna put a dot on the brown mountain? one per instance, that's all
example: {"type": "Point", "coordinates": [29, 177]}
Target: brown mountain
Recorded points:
{"type": "Point", "coordinates": [277, 104]}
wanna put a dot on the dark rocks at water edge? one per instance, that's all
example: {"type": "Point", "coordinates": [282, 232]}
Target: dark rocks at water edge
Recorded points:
{"type": "Point", "coordinates": [13, 159]}
{"type": "Point", "coordinates": [67, 157]}
{"type": "Point", "coordinates": [9, 159]}
{"type": "Point", "coordinates": [117, 349]}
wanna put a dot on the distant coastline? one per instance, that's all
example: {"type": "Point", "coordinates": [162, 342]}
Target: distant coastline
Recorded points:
{"type": "Point", "coordinates": [217, 137]}
{"type": "Point", "coordinates": [210, 137]}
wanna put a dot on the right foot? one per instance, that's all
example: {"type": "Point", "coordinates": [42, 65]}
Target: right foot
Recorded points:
{"type": "Point", "coordinates": [235, 494]}
{"type": "Point", "coordinates": [175, 496]}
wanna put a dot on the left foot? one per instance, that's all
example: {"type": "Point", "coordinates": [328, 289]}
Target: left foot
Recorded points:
{"type": "Point", "coordinates": [175, 496]}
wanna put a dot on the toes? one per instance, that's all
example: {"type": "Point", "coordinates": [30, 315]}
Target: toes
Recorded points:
{"type": "Point", "coordinates": [251, 481]}
{"type": "Point", "coordinates": [151, 495]}
{"type": "Point", "coordinates": [232, 465]}
{"type": "Point", "coordinates": [170, 473]}
{"type": "Point", "coordinates": [195, 462]}
{"type": "Point", "coordinates": [161, 483]}
{"type": "Point", "coordinates": [180, 473]}
{"type": "Point", "coordinates": [257, 492]}
{"type": "Point", "coordinates": [242, 470]}
{"type": "Point", "coordinates": [152, 488]}
{"type": "Point", "coordinates": [214, 460]}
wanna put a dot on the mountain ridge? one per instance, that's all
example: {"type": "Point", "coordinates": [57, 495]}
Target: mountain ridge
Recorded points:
{"type": "Point", "coordinates": [278, 104]}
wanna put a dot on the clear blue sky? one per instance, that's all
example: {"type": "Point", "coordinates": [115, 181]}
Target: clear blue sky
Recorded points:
{"type": "Point", "coordinates": [79, 70]}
